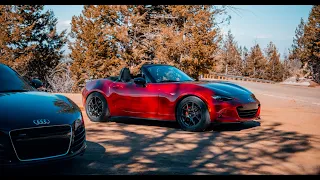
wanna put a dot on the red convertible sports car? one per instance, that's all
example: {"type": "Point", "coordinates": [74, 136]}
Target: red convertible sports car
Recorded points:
{"type": "Point", "coordinates": [163, 92]}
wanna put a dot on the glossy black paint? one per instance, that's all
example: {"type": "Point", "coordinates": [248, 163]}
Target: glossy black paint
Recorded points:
{"type": "Point", "coordinates": [36, 83]}
{"type": "Point", "coordinates": [19, 109]}
{"type": "Point", "coordinates": [21, 104]}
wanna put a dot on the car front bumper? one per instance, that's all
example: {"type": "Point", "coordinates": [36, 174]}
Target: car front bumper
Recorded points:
{"type": "Point", "coordinates": [21, 164]}
{"type": "Point", "coordinates": [237, 112]}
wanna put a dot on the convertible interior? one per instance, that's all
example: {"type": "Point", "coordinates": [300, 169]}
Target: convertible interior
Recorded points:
{"type": "Point", "coordinates": [124, 76]}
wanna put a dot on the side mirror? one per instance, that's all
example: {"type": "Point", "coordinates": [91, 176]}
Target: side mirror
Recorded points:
{"type": "Point", "coordinates": [140, 81]}
{"type": "Point", "coordinates": [36, 83]}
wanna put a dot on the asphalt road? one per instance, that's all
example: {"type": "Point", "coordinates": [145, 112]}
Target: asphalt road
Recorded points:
{"type": "Point", "coordinates": [303, 94]}
{"type": "Point", "coordinates": [285, 141]}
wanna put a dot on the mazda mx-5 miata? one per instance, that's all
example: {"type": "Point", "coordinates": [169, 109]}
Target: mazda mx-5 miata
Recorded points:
{"type": "Point", "coordinates": [36, 127]}
{"type": "Point", "coordinates": [163, 92]}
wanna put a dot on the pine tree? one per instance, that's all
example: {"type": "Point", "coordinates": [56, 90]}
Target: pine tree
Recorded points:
{"type": "Point", "coordinates": [311, 41]}
{"type": "Point", "coordinates": [274, 70]}
{"type": "Point", "coordinates": [231, 56]}
{"type": "Point", "coordinates": [97, 48]}
{"type": "Point", "coordinates": [169, 42]}
{"type": "Point", "coordinates": [145, 33]}
{"type": "Point", "coordinates": [256, 62]}
{"type": "Point", "coordinates": [125, 35]}
{"type": "Point", "coordinates": [108, 38]}
{"type": "Point", "coordinates": [199, 37]}
{"type": "Point", "coordinates": [286, 67]}
{"type": "Point", "coordinates": [298, 41]}
{"type": "Point", "coordinates": [31, 43]}
{"type": "Point", "coordinates": [6, 17]}
{"type": "Point", "coordinates": [296, 52]}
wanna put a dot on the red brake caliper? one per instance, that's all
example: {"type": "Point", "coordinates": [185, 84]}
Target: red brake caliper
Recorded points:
{"type": "Point", "coordinates": [187, 110]}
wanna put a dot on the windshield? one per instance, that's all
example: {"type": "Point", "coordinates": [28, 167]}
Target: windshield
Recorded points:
{"type": "Point", "coordinates": [168, 74]}
{"type": "Point", "coordinates": [10, 81]}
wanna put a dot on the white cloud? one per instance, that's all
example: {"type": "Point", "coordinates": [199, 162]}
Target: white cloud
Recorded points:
{"type": "Point", "coordinates": [65, 24]}
{"type": "Point", "coordinates": [263, 36]}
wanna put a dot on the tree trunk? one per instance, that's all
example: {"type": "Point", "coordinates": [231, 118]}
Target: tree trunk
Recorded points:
{"type": "Point", "coordinates": [226, 69]}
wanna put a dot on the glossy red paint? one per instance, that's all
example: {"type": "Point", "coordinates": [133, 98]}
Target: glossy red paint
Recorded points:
{"type": "Point", "coordinates": [159, 100]}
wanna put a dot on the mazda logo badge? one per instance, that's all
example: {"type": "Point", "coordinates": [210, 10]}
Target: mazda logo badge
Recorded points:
{"type": "Point", "coordinates": [41, 121]}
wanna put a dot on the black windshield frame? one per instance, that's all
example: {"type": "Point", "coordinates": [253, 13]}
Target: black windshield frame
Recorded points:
{"type": "Point", "coordinates": [147, 73]}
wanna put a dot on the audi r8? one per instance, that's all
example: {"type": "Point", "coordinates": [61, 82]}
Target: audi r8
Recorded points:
{"type": "Point", "coordinates": [164, 92]}
{"type": "Point", "coordinates": [36, 127]}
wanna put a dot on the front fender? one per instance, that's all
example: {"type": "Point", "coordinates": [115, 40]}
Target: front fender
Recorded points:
{"type": "Point", "coordinates": [205, 96]}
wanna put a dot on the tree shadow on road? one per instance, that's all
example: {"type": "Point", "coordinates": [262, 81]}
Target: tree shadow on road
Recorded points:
{"type": "Point", "coordinates": [135, 148]}
{"type": "Point", "coordinates": [144, 122]}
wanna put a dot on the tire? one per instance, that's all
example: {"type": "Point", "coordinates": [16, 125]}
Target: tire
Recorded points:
{"type": "Point", "coordinates": [104, 115]}
{"type": "Point", "coordinates": [202, 123]}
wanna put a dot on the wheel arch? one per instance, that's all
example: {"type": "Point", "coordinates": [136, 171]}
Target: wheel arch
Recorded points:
{"type": "Point", "coordinates": [185, 96]}
{"type": "Point", "coordinates": [97, 86]}
{"type": "Point", "coordinates": [96, 91]}
{"type": "Point", "coordinates": [107, 108]}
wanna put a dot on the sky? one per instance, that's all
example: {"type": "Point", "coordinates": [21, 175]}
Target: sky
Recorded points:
{"type": "Point", "coordinates": [249, 23]}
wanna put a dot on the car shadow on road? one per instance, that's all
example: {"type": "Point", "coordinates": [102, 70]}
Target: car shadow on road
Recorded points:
{"type": "Point", "coordinates": [145, 122]}
{"type": "Point", "coordinates": [175, 125]}
{"type": "Point", "coordinates": [74, 166]}
{"type": "Point", "coordinates": [233, 126]}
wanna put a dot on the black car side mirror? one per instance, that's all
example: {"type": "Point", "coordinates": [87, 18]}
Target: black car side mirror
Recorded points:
{"type": "Point", "coordinates": [140, 81]}
{"type": "Point", "coordinates": [36, 83]}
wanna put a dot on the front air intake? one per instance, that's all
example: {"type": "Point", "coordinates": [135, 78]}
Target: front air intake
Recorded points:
{"type": "Point", "coordinates": [247, 113]}
{"type": "Point", "coordinates": [41, 143]}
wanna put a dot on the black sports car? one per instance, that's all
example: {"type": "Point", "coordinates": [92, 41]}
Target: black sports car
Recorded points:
{"type": "Point", "coordinates": [36, 126]}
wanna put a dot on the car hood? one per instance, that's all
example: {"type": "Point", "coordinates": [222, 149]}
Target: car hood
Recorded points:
{"type": "Point", "coordinates": [226, 88]}
{"type": "Point", "coordinates": [223, 88]}
{"type": "Point", "coordinates": [19, 110]}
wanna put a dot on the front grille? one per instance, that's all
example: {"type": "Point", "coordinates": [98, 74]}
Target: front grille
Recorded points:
{"type": "Point", "coordinates": [44, 142]}
{"type": "Point", "coordinates": [79, 139]}
{"type": "Point", "coordinates": [247, 113]}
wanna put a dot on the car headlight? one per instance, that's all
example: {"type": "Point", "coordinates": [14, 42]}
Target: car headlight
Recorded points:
{"type": "Point", "coordinates": [221, 98]}
{"type": "Point", "coordinates": [79, 122]}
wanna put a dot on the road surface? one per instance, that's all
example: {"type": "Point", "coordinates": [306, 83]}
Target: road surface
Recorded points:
{"type": "Point", "coordinates": [285, 141]}
{"type": "Point", "coordinates": [302, 94]}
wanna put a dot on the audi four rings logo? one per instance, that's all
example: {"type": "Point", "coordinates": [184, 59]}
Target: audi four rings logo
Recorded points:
{"type": "Point", "coordinates": [41, 121]}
